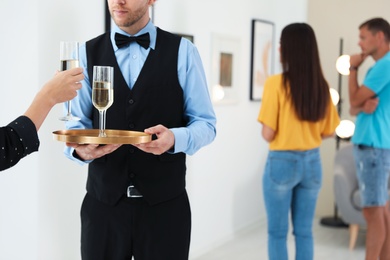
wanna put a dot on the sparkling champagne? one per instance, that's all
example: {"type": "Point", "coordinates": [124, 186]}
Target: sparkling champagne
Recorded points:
{"type": "Point", "coordinates": [69, 59]}
{"type": "Point", "coordinates": [102, 95]}
{"type": "Point", "coordinates": [69, 64]}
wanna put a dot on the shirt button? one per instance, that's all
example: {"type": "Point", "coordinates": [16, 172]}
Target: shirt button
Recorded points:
{"type": "Point", "coordinates": [131, 125]}
{"type": "Point", "coordinates": [131, 150]}
{"type": "Point", "coordinates": [134, 57]}
{"type": "Point", "coordinates": [131, 101]}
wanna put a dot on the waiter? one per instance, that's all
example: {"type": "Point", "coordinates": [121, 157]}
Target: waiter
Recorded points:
{"type": "Point", "coordinates": [136, 203]}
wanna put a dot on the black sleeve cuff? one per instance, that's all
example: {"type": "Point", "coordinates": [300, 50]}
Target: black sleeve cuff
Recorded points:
{"type": "Point", "coordinates": [27, 132]}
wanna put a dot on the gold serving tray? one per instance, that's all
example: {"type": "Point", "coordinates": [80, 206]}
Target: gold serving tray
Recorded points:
{"type": "Point", "coordinates": [91, 136]}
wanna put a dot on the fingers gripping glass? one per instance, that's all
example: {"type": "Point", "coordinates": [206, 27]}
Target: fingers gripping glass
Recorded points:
{"type": "Point", "coordinates": [69, 58]}
{"type": "Point", "coordinates": [102, 93]}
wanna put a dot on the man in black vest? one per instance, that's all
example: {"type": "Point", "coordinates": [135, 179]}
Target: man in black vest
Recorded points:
{"type": "Point", "coordinates": [136, 202]}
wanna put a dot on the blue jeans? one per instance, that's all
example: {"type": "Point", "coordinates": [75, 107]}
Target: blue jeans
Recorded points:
{"type": "Point", "coordinates": [291, 181]}
{"type": "Point", "coordinates": [372, 169]}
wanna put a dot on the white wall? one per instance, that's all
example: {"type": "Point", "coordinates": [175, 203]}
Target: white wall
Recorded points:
{"type": "Point", "coordinates": [224, 179]}
{"type": "Point", "coordinates": [40, 197]}
{"type": "Point", "coordinates": [18, 186]}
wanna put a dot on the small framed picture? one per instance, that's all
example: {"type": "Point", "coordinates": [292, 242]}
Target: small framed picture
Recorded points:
{"type": "Point", "coordinates": [262, 56]}
{"type": "Point", "coordinates": [225, 69]}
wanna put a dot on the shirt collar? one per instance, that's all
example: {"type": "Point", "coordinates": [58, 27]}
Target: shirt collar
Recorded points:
{"type": "Point", "coordinates": [149, 28]}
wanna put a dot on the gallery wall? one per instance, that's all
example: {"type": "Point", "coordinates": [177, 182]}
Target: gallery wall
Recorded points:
{"type": "Point", "coordinates": [224, 179]}
{"type": "Point", "coordinates": [18, 187]}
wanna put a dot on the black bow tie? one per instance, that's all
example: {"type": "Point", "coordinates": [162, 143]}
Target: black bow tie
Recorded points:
{"type": "Point", "coordinates": [123, 40]}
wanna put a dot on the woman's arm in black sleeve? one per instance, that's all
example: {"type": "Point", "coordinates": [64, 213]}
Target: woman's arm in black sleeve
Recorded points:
{"type": "Point", "coordinates": [17, 139]}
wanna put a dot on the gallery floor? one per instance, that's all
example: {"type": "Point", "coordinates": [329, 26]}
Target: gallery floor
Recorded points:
{"type": "Point", "coordinates": [251, 244]}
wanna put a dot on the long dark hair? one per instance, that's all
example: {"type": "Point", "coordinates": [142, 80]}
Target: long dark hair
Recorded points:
{"type": "Point", "coordinates": [302, 74]}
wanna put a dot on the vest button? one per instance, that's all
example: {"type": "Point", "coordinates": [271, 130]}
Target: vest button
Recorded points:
{"type": "Point", "coordinates": [132, 175]}
{"type": "Point", "coordinates": [131, 125]}
{"type": "Point", "coordinates": [131, 101]}
{"type": "Point", "coordinates": [131, 150]}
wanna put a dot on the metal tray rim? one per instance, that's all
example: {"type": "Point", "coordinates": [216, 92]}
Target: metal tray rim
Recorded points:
{"type": "Point", "coordinates": [91, 136]}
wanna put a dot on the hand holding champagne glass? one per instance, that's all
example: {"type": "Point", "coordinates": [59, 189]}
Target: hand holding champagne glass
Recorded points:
{"type": "Point", "coordinates": [102, 93]}
{"type": "Point", "coordinates": [69, 57]}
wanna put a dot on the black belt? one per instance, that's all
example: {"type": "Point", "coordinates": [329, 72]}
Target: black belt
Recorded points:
{"type": "Point", "coordinates": [364, 147]}
{"type": "Point", "coordinates": [132, 192]}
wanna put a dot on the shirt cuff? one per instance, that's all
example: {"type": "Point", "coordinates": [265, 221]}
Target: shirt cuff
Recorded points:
{"type": "Point", "coordinates": [181, 137]}
{"type": "Point", "coordinates": [27, 133]}
{"type": "Point", "coordinates": [70, 153]}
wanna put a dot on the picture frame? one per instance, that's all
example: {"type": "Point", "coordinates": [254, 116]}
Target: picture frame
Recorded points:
{"type": "Point", "coordinates": [262, 56]}
{"type": "Point", "coordinates": [225, 67]}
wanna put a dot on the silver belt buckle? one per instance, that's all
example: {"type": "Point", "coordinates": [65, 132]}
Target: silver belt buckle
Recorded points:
{"type": "Point", "coordinates": [132, 192]}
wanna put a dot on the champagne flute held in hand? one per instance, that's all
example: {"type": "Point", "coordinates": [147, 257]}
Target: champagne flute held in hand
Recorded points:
{"type": "Point", "coordinates": [102, 93]}
{"type": "Point", "coordinates": [69, 57]}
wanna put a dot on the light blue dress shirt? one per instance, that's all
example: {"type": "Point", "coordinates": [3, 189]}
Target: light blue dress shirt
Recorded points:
{"type": "Point", "coordinates": [374, 129]}
{"type": "Point", "coordinates": [198, 110]}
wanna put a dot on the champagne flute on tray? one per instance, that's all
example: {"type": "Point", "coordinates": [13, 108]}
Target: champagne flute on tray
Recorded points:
{"type": "Point", "coordinates": [102, 93]}
{"type": "Point", "coordinates": [69, 59]}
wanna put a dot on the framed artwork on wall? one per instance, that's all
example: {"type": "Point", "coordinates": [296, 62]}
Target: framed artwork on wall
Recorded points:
{"type": "Point", "coordinates": [225, 68]}
{"type": "Point", "coordinates": [262, 56]}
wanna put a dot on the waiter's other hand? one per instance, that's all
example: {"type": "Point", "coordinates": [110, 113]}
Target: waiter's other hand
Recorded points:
{"type": "Point", "coordinates": [88, 152]}
{"type": "Point", "coordinates": [165, 140]}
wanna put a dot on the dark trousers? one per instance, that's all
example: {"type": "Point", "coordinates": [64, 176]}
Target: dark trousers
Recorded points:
{"type": "Point", "coordinates": [134, 228]}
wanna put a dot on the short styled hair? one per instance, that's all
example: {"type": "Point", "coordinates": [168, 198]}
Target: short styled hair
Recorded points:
{"type": "Point", "coordinates": [377, 25]}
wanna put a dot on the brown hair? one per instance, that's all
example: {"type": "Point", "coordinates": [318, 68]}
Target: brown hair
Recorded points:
{"type": "Point", "coordinates": [377, 25]}
{"type": "Point", "coordinates": [302, 74]}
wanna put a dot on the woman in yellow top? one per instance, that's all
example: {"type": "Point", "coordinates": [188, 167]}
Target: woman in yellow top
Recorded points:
{"type": "Point", "coordinates": [296, 114]}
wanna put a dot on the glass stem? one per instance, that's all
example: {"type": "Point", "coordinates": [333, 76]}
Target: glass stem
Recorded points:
{"type": "Point", "coordinates": [104, 119]}
{"type": "Point", "coordinates": [102, 123]}
{"type": "Point", "coordinates": [69, 108]}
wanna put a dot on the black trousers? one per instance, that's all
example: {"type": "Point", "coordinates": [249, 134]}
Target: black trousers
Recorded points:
{"type": "Point", "coordinates": [134, 228]}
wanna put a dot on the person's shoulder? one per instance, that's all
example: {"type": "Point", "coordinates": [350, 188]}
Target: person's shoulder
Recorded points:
{"type": "Point", "coordinates": [381, 65]}
{"type": "Point", "coordinates": [99, 38]}
{"type": "Point", "coordinates": [166, 33]}
{"type": "Point", "coordinates": [168, 37]}
{"type": "Point", "coordinates": [185, 39]}
{"type": "Point", "coordinates": [274, 79]}
{"type": "Point", "coordinates": [275, 76]}
{"type": "Point", "coordinates": [186, 44]}
{"type": "Point", "coordinates": [273, 83]}
{"type": "Point", "coordinates": [387, 59]}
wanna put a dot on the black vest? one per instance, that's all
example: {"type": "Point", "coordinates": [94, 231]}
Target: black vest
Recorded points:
{"type": "Point", "coordinates": [156, 98]}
